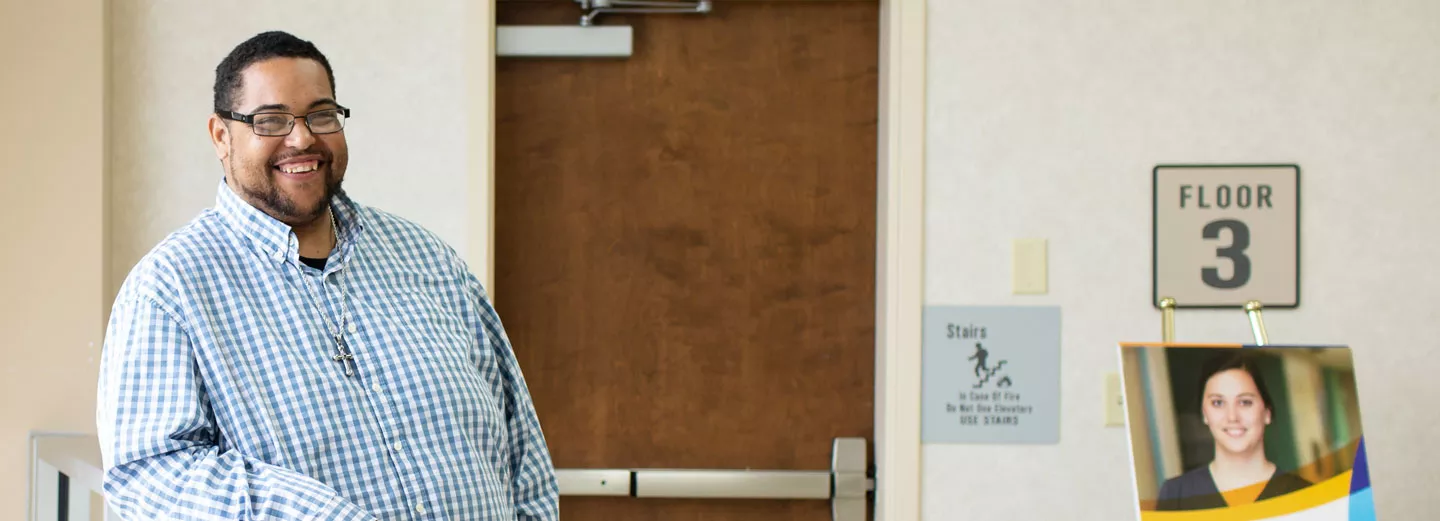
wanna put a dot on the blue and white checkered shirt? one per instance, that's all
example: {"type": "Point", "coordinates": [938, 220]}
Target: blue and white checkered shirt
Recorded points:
{"type": "Point", "coordinates": [220, 396]}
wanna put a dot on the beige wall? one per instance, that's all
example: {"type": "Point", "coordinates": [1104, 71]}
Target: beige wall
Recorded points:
{"type": "Point", "coordinates": [1045, 119]}
{"type": "Point", "coordinates": [52, 199]}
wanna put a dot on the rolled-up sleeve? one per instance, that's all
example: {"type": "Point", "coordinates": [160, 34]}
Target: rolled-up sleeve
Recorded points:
{"type": "Point", "coordinates": [159, 441]}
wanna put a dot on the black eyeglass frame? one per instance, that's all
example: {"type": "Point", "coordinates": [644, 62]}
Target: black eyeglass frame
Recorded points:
{"type": "Point", "coordinates": [249, 119]}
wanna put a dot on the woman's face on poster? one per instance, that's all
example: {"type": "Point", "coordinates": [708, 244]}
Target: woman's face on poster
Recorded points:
{"type": "Point", "coordinates": [1233, 409]}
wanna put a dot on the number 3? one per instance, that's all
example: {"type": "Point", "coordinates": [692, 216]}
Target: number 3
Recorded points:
{"type": "Point", "coordinates": [1240, 239]}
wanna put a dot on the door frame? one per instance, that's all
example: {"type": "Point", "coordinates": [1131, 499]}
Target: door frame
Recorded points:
{"type": "Point", "coordinates": [899, 233]}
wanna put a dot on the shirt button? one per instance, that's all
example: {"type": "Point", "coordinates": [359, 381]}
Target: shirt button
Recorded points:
{"type": "Point", "coordinates": [420, 509]}
{"type": "Point", "coordinates": [375, 387]}
{"type": "Point", "coordinates": [396, 446]}
{"type": "Point", "coordinates": [352, 328]}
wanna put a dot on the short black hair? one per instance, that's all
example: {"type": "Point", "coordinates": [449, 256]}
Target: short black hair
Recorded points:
{"type": "Point", "coordinates": [1232, 359]}
{"type": "Point", "coordinates": [261, 47]}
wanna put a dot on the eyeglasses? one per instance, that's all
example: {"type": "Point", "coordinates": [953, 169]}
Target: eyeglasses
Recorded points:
{"type": "Point", "coordinates": [328, 121]}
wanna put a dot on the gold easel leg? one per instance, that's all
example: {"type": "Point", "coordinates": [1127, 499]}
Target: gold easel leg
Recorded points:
{"type": "Point", "coordinates": [1167, 319]}
{"type": "Point", "coordinates": [1257, 324]}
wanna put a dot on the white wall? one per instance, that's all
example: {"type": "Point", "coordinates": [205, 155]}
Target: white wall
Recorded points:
{"type": "Point", "coordinates": [399, 66]}
{"type": "Point", "coordinates": [1045, 119]}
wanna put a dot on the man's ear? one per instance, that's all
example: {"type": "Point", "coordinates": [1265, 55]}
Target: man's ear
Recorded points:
{"type": "Point", "coordinates": [219, 137]}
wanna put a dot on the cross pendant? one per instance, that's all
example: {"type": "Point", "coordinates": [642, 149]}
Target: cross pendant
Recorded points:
{"type": "Point", "coordinates": [343, 355]}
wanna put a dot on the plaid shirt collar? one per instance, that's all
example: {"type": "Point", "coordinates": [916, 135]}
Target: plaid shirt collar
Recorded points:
{"type": "Point", "coordinates": [276, 239]}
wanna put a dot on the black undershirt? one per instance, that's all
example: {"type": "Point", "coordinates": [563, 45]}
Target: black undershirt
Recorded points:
{"type": "Point", "coordinates": [318, 264]}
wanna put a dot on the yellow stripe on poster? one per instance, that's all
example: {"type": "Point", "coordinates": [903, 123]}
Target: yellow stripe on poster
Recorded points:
{"type": "Point", "coordinates": [1299, 501]}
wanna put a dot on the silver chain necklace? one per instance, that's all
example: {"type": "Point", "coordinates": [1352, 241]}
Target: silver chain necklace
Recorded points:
{"type": "Point", "coordinates": [337, 332]}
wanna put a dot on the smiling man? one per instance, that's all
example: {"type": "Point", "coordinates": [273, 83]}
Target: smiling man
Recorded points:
{"type": "Point", "coordinates": [293, 354]}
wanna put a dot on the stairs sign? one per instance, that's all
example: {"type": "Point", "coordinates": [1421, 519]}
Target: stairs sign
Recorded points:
{"type": "Point", "coordinates": [991, 375]}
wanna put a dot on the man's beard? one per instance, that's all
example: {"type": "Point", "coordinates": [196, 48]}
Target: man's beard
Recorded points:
{"type": "Point", "coordinates": [281, 206]}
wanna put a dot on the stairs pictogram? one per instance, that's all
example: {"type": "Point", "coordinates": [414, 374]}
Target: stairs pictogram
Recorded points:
{"type": "Point", "coordinates": [990, 374]}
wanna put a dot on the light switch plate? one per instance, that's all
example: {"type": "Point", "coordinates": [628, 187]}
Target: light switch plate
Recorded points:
{"type": "Point", "coordinates": [1114, 401]}
{"type": "Point", "coordinates": [1029, 267]}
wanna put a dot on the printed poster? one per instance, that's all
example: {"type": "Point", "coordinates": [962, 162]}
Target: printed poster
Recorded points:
{"type": "Point", "coordinates": [1230, 432]}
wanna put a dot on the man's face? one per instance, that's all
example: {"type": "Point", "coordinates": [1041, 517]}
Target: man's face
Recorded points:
{"type": "Point", "coordinates": [291, 177]}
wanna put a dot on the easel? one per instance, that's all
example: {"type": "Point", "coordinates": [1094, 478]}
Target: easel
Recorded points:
{"type": "Point", "coordinates": [1252, 309]}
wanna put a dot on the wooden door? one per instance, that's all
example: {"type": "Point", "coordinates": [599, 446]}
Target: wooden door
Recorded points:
{"type": "Point", "coordinates": [685, 244]}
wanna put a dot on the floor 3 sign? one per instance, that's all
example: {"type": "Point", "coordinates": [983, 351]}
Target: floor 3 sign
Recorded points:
{"type": "Point", "coordinates": [1226, 234]}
